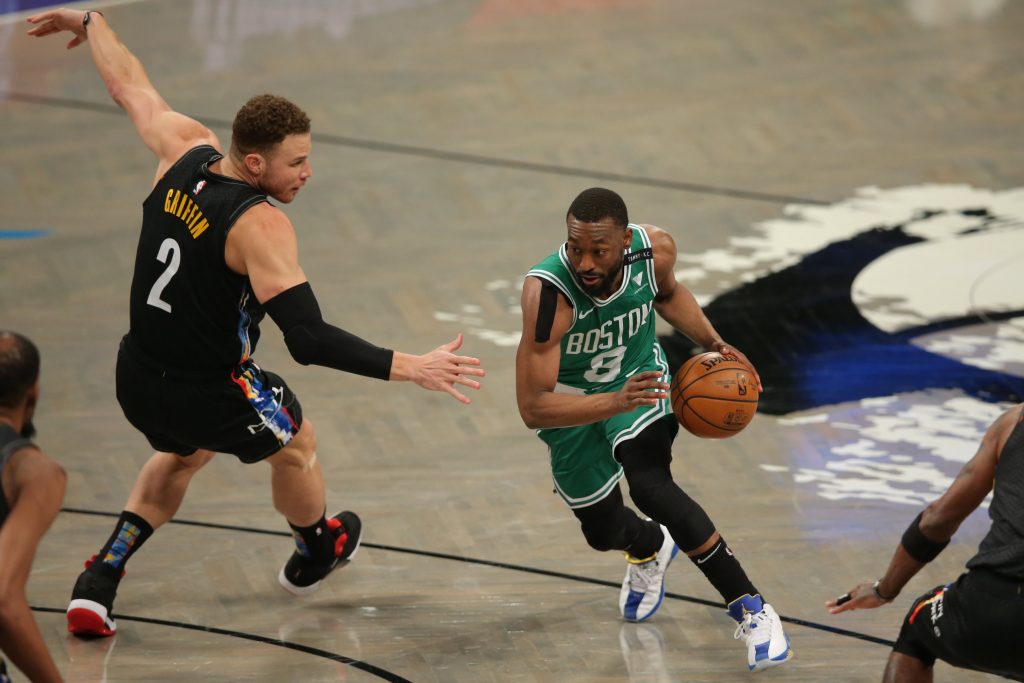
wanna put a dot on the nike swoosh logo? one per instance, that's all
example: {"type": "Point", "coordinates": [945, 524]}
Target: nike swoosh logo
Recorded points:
{"type": "Point", "coordinates": [711, 555]}
{"type": "Point", "coordinates": [581, 316]}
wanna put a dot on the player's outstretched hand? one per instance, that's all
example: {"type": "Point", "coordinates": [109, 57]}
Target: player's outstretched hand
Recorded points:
{"type": "Point", "coordinates": [441, 370]}
{"type": "Point", "coordinates": [726, 348]}
{"type": "Point", "coordinates": [861, 597]}
{"type": "Point", "coordinates": [58, 20]}
{"type": "Point", "coordinates": [642, 389]}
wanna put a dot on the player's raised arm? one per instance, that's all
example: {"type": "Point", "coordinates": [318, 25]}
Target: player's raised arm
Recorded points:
{"type": "Point", "coordinates": [166, 132]}
{"type": "Point", "coordinates": [547, 316]}
{"type": "Point", "coordinates": [677, 305]}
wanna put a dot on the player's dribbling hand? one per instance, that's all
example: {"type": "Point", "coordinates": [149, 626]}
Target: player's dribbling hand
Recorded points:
{"type": "Point", "coordinates": [725, 349]}
{"type": "Point", "coordinates": [642, 389]}
{"type": "Point", "coordinates": [441, 370]}
{"type": "Point", "coordinates": [861, 597]}
{"type": "Point", "coordinates": [58, 20]}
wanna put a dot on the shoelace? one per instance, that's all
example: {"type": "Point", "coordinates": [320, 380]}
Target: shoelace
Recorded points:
{"type": "Point", "coordinates": [744, 627]}
{"type": "Point", "coordinates": [641, 575]}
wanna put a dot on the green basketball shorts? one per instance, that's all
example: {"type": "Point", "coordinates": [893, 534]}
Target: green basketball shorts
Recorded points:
{"type": "Point", "coordinates": [583, 463]}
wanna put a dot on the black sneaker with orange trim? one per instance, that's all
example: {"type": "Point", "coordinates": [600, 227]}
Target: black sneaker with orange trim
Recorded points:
{"type": "Point", "coordinates": [301, 575]}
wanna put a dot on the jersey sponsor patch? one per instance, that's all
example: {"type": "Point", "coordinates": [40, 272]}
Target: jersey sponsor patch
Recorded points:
{"type": "Point", "coordinates": [639, 255]}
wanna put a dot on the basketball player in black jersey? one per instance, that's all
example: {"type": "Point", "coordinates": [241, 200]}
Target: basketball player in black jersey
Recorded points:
{"type": "Point", "coordinates": [213, 256]}
{"type": "Point", "coordinates": [974, 622]}
{"type": "Point", "coordinates": [31, 491]}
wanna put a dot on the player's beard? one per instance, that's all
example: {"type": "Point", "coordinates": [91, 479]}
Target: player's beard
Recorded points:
{"type": "Point", "coordinates": [604, 287]}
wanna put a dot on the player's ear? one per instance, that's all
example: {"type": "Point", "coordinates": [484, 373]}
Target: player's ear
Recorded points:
{"type": "Point", "coordinates": [627, 238]}
{"type": "Point", "coordinates": [255, 163]}
{"type": "Point", "coordinates": [32, 398]}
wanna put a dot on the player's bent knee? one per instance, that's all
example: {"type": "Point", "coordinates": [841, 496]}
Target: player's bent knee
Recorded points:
{"type": "Point", "coordinates": [655, 499]}
{"type": "Point", "coordinates": [195, 460]}
{"type": "Point", "coordinates": [669, 505]}
{"type": "Point", "coordinates": [599, 536]}
{"type": "Point", "coordinates": [292, 458]}
{"type": "Point", "coordinates": [305, 438]}
{"type": "Point", "coordinates": [298, 453]}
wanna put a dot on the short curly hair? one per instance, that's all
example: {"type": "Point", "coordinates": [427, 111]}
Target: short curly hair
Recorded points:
{"type": "Point", "coordinates": [597, 203]}
{"type": "Point", "coordinates": [264, 121]}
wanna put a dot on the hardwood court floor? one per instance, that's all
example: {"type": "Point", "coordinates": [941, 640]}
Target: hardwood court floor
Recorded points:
{"type": "Point", "coordinates": [450, 136]}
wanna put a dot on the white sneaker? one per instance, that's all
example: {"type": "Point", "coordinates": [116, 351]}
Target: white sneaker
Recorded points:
{"type": "Point", "coordinates": [644, 585]}
{"type": "Point", "coordinates": [760, 627]}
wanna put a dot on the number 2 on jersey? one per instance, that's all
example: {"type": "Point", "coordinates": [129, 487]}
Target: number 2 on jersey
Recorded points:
{"type": "Point", "coordinates": [168, 248]}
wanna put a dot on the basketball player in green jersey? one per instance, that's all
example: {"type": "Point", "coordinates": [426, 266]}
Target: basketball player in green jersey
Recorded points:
{"type": "Point", "coordinates": [592, 379]}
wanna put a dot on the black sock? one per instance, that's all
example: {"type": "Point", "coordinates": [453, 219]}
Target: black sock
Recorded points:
{"type": "Point", "coordinates": [129, 534]}
{"type": "Point", "coordinates": [647, 541]}
{"type": "Point", "coordinates": [315, 542]}
{"type": "Point", "coordinates": [724, 571]}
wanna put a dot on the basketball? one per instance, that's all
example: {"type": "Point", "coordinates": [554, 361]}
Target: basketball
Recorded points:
{"type": "Point", "coordinates": [714, 396]}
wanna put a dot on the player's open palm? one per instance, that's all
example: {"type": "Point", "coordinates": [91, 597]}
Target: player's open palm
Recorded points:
{"type": "Point", "coordinates": [860, 597]}
{"type": "Point", "coordinates": [442, 369]}
{"type": "Point", "coordinates": [642, 389]}
{"type": "Point", "coordinates": [47, 23]}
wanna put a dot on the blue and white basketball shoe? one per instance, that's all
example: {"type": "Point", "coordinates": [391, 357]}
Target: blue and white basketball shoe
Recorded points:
{"type": "Point", "coordinates": [760, 627]}
{"type": "Point", "coordinates": [644, 585]}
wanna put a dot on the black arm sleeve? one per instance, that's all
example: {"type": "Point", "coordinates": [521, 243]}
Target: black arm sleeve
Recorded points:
{"type": "Point", "coordinates": [311, 341]}
{"type": "Point", "coordinates": [546, 312]}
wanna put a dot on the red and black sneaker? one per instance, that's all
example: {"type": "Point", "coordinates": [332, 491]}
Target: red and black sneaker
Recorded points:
{"type": "Point", "coordinates": [92, 600]}
{"type": "Point", "coordinates": [301, 575]}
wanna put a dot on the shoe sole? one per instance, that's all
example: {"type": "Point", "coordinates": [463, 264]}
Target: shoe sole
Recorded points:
{"type": "Point", "coordinates": [89, 619]}
{"type": "Point", "coordinates": [300, 591]}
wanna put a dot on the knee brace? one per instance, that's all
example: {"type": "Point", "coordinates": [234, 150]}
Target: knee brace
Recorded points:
{"type": "Point", "coordinates": [662, 500]}
{"type": "Point", "coordinates": [689, 523]}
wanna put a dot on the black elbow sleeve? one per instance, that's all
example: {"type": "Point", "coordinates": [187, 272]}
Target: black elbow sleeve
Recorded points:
{"type": "Point", "coordinates": [311, 341]}
{"type": "Point", "coordinates": [302, 344]}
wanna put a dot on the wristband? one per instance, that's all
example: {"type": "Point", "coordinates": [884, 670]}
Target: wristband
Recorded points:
{"type": "Point", "coordinates": [878, 594]}
{"type": "Point", "coordinates": [919, 546]}
{"type": "Point", "coordinates": [86, 19]}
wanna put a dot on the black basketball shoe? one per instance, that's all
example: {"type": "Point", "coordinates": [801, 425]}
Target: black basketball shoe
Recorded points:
{"type": "Point", "coordinates": [92, 600]}
{"type": "Point", "coordinates": [301, 575]}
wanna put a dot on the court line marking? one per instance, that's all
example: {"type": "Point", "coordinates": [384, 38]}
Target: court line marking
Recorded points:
{"type": "Point", "coordinates": [503, 565]}
{"type": "Point", "coordinates": [22, 234]}
{"type": "Point", "coordinates": [457, 157]}
{"type": "Point", "coordinates": [306, 649]}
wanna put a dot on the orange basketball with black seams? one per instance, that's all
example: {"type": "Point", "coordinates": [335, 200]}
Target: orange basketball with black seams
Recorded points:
{"type": "Point", "coordinates": [714, 396]}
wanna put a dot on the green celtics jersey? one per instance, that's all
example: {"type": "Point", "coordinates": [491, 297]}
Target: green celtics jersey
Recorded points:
{"type": "Point", "coordinates": [610, 340]}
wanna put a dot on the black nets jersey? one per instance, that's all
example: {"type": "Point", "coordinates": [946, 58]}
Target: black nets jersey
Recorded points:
{"type": "Point", "coordinates": [188, 309]}
{"type": "Point", "coordinates": [1002, 549]}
